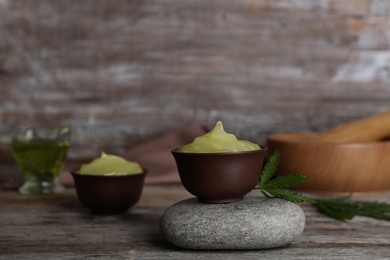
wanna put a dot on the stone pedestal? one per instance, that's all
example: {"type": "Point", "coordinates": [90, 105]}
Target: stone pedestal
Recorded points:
{"type": "Point", "coordinates": [253, 223]}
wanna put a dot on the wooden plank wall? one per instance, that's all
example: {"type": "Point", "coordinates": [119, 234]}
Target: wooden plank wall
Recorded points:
{"type": "Point", "coordinates": [120, 72]}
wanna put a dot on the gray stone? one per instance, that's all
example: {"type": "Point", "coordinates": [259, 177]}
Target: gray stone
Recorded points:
{"type": "Point", "coordinates": [253, 223]}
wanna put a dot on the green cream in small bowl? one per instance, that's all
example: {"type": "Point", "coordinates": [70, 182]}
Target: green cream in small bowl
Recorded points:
{"type": "Point", "coordinates": [218, 141]}
{"type": "Point", "coordinates": [218, 168]}
{"type": "Point", "coordinates": [109, 184]}
{"type": "Point", "coordinates": [110, 165]}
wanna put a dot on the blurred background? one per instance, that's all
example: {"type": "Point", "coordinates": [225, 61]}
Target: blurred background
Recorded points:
{"type": "Point", "coordinates": [122, 72]}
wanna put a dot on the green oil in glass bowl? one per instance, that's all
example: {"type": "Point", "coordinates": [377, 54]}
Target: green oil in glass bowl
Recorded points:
{"type": "Point", "coordinates": [40, 154]}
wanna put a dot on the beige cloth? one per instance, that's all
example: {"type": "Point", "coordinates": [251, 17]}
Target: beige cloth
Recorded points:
{"type": "Point", "coordinates": [155, 155]}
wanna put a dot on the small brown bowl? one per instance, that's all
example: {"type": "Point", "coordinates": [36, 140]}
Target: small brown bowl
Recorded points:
{"type": "Point", "coordinates": [219, 177]}
{"type": "Point", "coordinates": [333, 167]}
{"type": "Point", "coordinates": [108, 194]}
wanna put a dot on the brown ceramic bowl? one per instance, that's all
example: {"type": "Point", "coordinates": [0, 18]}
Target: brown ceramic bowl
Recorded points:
{"type": "Point", "coordinates": [219, 177]}
{"type": "Point", "coordinates": [333, 167]}
{"type": "Point", "coordinates": [108, 194]}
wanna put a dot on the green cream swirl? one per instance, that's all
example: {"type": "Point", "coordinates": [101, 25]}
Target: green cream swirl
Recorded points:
{"type": "Point", "coordinates": [218, 141]}
{"type": "Point", "coordinates": [110, 165]}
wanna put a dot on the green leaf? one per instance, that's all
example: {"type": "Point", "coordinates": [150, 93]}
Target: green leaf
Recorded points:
{"type": "Point", "coordinates": [287, 195]}
{"type": "Point", "coordinates": [285, 182]}
{"type": "Point", "coordinates": [342, 208]}
{"type": "Point", "coordinates": [277, 187]}
{"type": "Point", "coordinates": [337, 214]}
{"type": "Point", "coordinates": [270, 168]}
{"type": "Point", "coordinates": [378, 210]}
{"type": "Point", "coordinates": [338, 208]}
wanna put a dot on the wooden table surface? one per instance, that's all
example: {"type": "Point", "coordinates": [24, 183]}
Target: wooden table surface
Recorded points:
{"type": "Point", "coordinates": [58, 227]}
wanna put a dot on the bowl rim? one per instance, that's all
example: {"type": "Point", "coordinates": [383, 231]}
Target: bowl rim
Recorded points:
{"type": "Point", "coordinates": [74, 172]}
{"type": "Point", "coordinates": [263, 149]}
{"type": "Point", "coordinates": [301, 140]}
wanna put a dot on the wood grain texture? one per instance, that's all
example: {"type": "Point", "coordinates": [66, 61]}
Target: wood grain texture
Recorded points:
{"type": "Point", "coordinates": [333, 166]}
{"type": "Point", "coordinates": [120, 72]}
{"type": "Point", "coordinates": [58, 227]}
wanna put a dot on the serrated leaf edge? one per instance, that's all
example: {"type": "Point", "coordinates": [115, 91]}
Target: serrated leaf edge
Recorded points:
{"type": "Point", "coordinates": [270, 168]}
{"type": "Point", "coordinates": [291, 195]}
{"type": "Point", "coordinates": [285, 182]}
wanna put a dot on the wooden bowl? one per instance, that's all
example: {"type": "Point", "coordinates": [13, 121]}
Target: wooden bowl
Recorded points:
{"type": "Point", "coordinates": [220, 177]}
{"type": "Point", "coordinates": [333, 167]}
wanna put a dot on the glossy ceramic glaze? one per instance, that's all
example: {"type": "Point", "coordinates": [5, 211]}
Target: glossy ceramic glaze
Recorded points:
{"type": "Point", "coordinates": [109, 194]}
{"type": "Point", "coordinates": [220, 177]}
